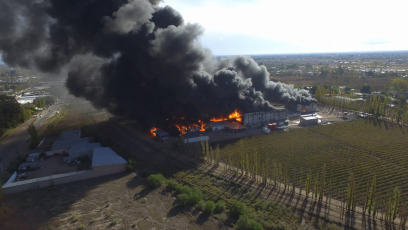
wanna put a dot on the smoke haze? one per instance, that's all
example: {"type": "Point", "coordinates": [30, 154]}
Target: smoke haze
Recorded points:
{"type": "Point", "coordinates": [136, 59]}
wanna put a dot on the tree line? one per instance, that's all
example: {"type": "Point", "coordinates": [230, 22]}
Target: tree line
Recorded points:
{"type": "Point", "coordinates": [316, 186]}
{"type": "Point", "coordinates": [12, 113]}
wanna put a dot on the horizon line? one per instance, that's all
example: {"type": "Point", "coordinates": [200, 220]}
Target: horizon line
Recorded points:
{"type": "Point", "coordinates": [315, 53]}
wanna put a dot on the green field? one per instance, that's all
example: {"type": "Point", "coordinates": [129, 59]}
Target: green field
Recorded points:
{"type": "Point", "coordinates": [362, 147]}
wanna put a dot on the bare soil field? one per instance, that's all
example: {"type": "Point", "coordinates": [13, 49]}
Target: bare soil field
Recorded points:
{"type": "Point", "coordinates": [121, 201]}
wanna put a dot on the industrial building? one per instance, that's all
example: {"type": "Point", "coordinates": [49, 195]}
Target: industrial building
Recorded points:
{"type": "Point", "coordinates": [105, 159]}
{"type": "Point", "coordinates": [70, 147]}
{"type": "Point", "coordinates": [258, 119]}
{"type": "Point", "coordinates": [308, 120]}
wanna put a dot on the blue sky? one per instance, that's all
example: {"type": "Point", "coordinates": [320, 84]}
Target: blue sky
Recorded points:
{"type": "Point", "coordinates": [297, 26]}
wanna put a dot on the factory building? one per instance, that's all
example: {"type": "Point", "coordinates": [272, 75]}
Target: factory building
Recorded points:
{"type": "Point", "coordinates": [308, 120]}
{"type": "Point", "coordinates": [257, 119]}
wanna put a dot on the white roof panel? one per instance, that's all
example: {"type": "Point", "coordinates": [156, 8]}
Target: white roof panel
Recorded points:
{"type": "Point", "coordinates": [106, 156]}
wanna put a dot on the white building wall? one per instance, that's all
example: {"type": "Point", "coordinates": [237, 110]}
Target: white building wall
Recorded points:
{"type": "Point", "coordinates": [196, 139]}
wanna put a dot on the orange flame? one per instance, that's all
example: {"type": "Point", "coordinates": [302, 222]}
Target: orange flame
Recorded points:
{"type": "Point", "coordinates": [181, 128]}
{"type": "Point", "coordinates": [233, 116]}
{"type": "Point", "coordinates": [202, 125]}
{"type": "Point", "coordinates": [153, 131]}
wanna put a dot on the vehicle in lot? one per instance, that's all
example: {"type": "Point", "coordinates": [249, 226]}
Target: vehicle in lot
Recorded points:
{"type": "Point", "coordinates": [28, 166]}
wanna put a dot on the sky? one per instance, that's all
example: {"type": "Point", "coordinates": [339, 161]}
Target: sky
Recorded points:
{"type": "Point", "coordinates": [234, 27]}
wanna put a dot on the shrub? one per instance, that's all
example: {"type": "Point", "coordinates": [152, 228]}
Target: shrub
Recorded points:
{"type": "Point", "coordinates": [200, 205]}
{"type": "Point", "coordinates": [155, 180]}
{"type": "Point", "coordinates": [209, 207]}
{"type": "Point", "coordinates": [244, 223]}
{"type": "Point", "coordinates": [194, 196]}
{"type": "Point", "coordinates": [219, 206]}
{"type": "Point", "coordinates": [237, 209]}
{"type": "Point", "coordinates": [185, 189]}
{"type": "Point", "coordinates": [172, 185]}
{"type": "Point", "coordinates": [182, 199]}
{"type": "Point", "coordinates": [130, 165]}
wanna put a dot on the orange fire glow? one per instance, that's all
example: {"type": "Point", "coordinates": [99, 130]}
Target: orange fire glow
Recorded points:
{"type": "Point", "coordinates": [153, 131]}
{"type": "Point", "coordinates": [202, 125]}
{"type": "Point", "coordinates": [233, 116]}
{"type": "Point", "coordinates": [183, 128]}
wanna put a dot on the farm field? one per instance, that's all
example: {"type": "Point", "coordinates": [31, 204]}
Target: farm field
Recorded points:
{"type": "Point", "coordinates": [363, 148]}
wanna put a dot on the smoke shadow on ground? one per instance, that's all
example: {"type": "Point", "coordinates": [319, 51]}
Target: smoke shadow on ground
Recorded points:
{"type": "Point", "coordinates": [32, 209]}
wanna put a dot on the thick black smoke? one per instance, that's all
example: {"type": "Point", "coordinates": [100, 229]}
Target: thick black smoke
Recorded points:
{"type": "Point", "coordinates": [135, 58]}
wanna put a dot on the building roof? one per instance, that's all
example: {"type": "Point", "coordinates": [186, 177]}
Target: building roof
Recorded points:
{"type": "Point", "coordinates": [66, 144]}
{"type": "Point", "coordinates": [194, 134]}
{"type": "Point", "coordinates": [82, 147]}
{"type": "Point", "coordinates": [161, 133]}
{"type": "Point", "coordinates": [106, 156]}
{"type": "Point", "coordinates": [309, 118]}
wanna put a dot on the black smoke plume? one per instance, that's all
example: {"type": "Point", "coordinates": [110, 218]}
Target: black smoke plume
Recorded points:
{"type": "Point", "coordinates": [135, 58]}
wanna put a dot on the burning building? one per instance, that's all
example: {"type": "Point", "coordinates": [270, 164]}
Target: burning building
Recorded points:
{"type": "Point", "coordinates": [138, 59]}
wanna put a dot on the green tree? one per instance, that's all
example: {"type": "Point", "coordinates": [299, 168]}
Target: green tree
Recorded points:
{"type": "Point", "coordinates": [219, 206]}
{"type": "Point", "coordinates": [351, 193]}
{"type": "Point", "coordinates": [182, 199]}
{"type": "Point", "coordinates": [209, 207]}
{"type": "Point", "coordinates": [395, 202]}
{"type": "Point", "coordinates": [34, 138]}
{"type": "Point", "coordinates": [365, 89]}
{"type": "Point", "coordinates": [399, 85]}
{"type": "Point", "coordinates": [237, 208]}
{"type": "Point", "coordinates": [244, 223]}
{"type": "Point", "coordinates": [370, 199]}
{"type": "Point", "coordinates": [39, 102]}
{"type": "Point", "coordinates": [11, 113]}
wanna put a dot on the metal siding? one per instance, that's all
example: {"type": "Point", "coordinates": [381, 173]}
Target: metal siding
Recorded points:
{"type": "Point", "coordinates": [260, 118]}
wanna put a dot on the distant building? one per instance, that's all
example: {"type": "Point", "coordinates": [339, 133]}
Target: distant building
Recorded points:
{"type": "Point", "coordinates": [307, 120]}
{"type": "Point", "coordinates": [257, 119]}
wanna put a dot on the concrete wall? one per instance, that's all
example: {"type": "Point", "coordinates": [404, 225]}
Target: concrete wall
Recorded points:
{"type": "Point", "coordinates": [63, 178]}
{"type": "Point", "coordinates": [196, 139]}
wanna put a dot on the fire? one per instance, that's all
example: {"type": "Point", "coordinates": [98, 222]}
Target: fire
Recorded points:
{"type": "Point", "coordinates": [202, 125]}
{"type": "Point", "coordinates": [183, 128]}
{"type": "Point", "coordinates": [153, 131]}
{"type": "Point", "coordinates": [233, 116]}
